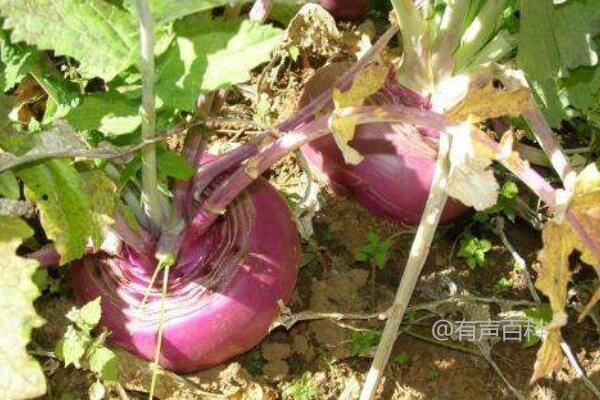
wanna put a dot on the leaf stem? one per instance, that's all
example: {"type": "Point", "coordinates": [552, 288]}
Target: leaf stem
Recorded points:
{"type": "Point", "coordinates": [549, 144]}
{"type": "Point", "coordinates": [150, 193]}
{"type": "Point", "coordinates": [448, 38]}
{"type": "Point", "coordinates": [416, 71]}
{"type": "Point", "coordinates": [418, 255]}
{"type": "Point", "coordinates": [161, 328]}
{"type": "Point", "coordinates": [478, 33]}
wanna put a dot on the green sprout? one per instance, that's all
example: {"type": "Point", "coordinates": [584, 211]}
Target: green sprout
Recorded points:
{"type": "Point", "coordinates": [375, 252]}
{"type": "Point", "coordinates": [364, 341]}
{"type": "Point", "coordinates": [474, 250]}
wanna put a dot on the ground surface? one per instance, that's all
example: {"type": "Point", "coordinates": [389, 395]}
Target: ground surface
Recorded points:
{"type": "Point", "coordinates": [314, 360]}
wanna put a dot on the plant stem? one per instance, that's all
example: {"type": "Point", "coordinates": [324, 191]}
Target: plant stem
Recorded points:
{"type": "Point", "coordinates": [216, 203]}
{"type": "Point", "coordinates": [150, 193]}
{"type": "Point", "coordinates": [418, 255]}
{"type": "Point", "coordinates": [416, 72]}
{"type": "Point", "coordinates": [478, 33]}
{"type": "Point", "coordinates": [549, 144]}
{"type": "Point", "coordinates": [161, 327]}
{"type": "Point", "coordinates": [448, 39]}
{"type": "Point", "coordinates": [495, 50]}
{"type": "Point", "coordinates": [260, 11]}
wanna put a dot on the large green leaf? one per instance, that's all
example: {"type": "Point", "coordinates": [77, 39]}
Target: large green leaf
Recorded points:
{"type": "Point", "coordinates": [108, 112]}
{"type": "Point", "coordinates": [101, 36]}
{"type": "Point", "coordinates": [167, 10]}
{"type": "Point", "coordinates": [16, 61]}
{"type": "Point", "coordinates": [65, 209]}
{"type": "Point", "coordinates": [19, 60]}
{"type": "Point", "coordinates": [559, 54]}
{"type": "Point", "coordinates": [21, 377]}
{"type": "Point", "coordinates": [209, 54]}
{"type": "Point", "coordinates": [73, 205]}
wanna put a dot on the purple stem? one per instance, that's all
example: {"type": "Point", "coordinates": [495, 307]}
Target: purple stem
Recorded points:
{"type": "Point", "coordinates": [192, 152]}
{"type": "Point", "coordinates": [320, 101]}
{"type": "Point", "coordinates": [207, 172]}
{"type": "Point", "coordinates": [205, 175]}
{"type": "Point", "coordinates": [136, 239]}
{"type": "Point", "coordinates": [549, 144]}
{"type": "Point", "coordinates": [216, 203]}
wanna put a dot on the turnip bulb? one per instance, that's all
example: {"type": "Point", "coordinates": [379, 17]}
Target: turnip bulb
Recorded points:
{"type": "Point", "coordinates": [346, 9]}
{"type": "Point", "coordinates": [395, 175]}
{"type": "Point", "coordinates": [216, 307]}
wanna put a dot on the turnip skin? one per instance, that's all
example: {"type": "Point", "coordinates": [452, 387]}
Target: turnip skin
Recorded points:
{"type": "Point", "coordinates": [346, 9]}
{"type": "Point", "coordinates": [394, 178]}
{"type": "Point", "coordinates": [258, 247]}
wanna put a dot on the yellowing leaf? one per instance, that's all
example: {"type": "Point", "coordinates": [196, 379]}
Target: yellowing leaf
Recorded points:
{"type": "Point", "coordinates": [21, 376]}
{"type": "Point", "coordinates": [490, 102]}
{"type": "Point", "coordinates": [560, 241]}
{"type": "Point", "coordinates": [549, 356]}
{"type": "Point", "coordinates": [470, 179]}
{"type": "Point", "coordinates": [343, 127]}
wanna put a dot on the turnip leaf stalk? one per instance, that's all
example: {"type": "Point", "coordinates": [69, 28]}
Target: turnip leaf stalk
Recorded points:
{"type": "Point", "coordinates": [150, 193]}
{"type": "Point", "coordinates": [416, 259]}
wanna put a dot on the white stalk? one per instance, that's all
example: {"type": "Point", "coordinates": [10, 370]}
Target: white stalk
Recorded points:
{"type": "Point", "coordinates": [418, 255]}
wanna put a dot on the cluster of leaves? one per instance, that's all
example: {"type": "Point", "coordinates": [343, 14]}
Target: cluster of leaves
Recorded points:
{"type": "Point", "coordinates": [78, 345]}
{"type": "Point", "coordinates": [558, 51]}
{"type": "Point", "coordinates": [474, 250]}
{"type": "Point", "coordinates": [195, 53]}
{"type": "Point", "coordinates": [302, 389]}
{"type": "Point", "coordinates": [375, 252]}
{"type": "Point", "coordinates": [364, 341]}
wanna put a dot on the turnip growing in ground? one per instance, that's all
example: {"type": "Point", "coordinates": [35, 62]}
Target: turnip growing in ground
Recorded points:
{"type": "Point", "coordinates": [196, 273]}
{"type": "Point", "coordinates": [346, 9]}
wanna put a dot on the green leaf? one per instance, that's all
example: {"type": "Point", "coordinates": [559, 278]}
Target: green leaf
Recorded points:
{"type": "Point", "coordinates": [167, 10]}
{"type": "Point", "coordinates": [65, 209]}
{"type": "Point", "coordinates": [100, 35]}
{"type": "Point", "coordinates": [474, 250]}
{"type": "Point", "coordinates": [16, 60]}
{"type": "Point", "coordinates": [63, 95]}
{"type": "Point", "coordinates": [554, 41]}
{"type": "Point", "coordinates": [209, 54]}
{"type": "Point", "coordinates": [20, 60]}
{"type": "Point", "coordinates": [104, 362]}
{"type": "Point", "coordinates": [401, 359]}
{"type": "Point", "coordinates": [9, 187]}
{"type": "Point", "coordinates": [87, 317]}
{"type": "Point", "coordinates": [71, 347]}
{"type": "Point", "coordinates": [21, 376]}
{"type": "Point", "coordinates": [364, 341]}
{"type": "Point", "coordinates": [108, 112]}
{"type": "Point", "coordinates": [173, 165]}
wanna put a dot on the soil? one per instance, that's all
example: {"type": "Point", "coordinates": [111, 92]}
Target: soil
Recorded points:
{"type": "Point", "coordinates": [317, 359]}
{"type": "Point", "coordinates": [331, 280]}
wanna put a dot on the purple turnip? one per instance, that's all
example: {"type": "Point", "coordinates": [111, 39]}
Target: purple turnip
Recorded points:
{"type": "Point", "coordinates": [346, 9]}
{"type": "Point", "coordinates": [395, 176]}
{"type": "Point", "coordinates": [220, 302]}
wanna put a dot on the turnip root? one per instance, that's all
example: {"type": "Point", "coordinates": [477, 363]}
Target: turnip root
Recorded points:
{"type": "Point", "coordinates": [217, 307]}
{"type": "Point", "coordinates": [394, 178]}
{"type": "Point", "coordinates": [346, 9]}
